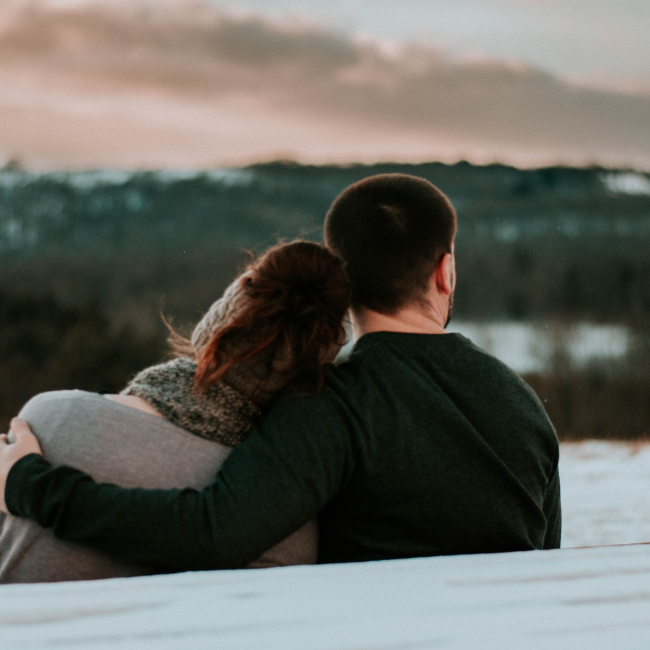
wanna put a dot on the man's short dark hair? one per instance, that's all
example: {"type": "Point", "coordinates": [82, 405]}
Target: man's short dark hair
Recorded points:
{"type": "Point", "coordinates": [392, 230]}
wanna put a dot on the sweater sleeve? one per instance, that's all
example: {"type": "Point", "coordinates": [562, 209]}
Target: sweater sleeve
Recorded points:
{"type": "Point", "coordinates": [553, 510]}
{"type": "Point", "coordinates": [270, 485]}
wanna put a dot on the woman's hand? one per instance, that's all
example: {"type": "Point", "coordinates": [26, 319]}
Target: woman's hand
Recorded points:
{"type": "Point", "coordinates": [24, 443]}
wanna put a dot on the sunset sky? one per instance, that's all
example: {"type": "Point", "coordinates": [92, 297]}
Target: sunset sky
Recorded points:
{"type": "Point", "coordinates": [598, 42]}
{"type": "Point", "coordinates": [196, 83]}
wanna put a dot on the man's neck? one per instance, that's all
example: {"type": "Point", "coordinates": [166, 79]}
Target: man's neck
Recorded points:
{"type": "Point", "coordinates": [409, 320]}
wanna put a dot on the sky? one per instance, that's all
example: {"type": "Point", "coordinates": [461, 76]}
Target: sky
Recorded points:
{"type": "Point", "coordinates": [199, 83]}
{"type": "Point", "coordinates": [597, 42]}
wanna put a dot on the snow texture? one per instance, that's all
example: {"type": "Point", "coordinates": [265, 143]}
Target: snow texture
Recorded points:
{"type": "Point", "coordinates": [567, 599]}
{"type": "Point", "coordinates": [605, 493]}
{"type": "Point", "coordinates": [530, 347]}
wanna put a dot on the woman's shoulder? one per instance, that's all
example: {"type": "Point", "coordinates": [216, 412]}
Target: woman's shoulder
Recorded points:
{"type": "Point", "coordinates": [59, 399]}
{"type": "Point", "coordinates": [118, 444]}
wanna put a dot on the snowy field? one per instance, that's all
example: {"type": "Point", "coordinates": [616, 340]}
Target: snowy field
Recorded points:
{"type": "Point", "coordinates": [529, 347]}
{"type": "Point", "coordinates": [586, 599]}
{"type": "Point", "coordinates": [605, 493]}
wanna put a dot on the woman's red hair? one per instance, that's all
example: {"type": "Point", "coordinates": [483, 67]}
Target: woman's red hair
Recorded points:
{"type": "Point", "coordinates": [293, 301]}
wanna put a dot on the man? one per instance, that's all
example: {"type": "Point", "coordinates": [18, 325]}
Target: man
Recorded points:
{"type": "Point", "coordinates": [420, 444]}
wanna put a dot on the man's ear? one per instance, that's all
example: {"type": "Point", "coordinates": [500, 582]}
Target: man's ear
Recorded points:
{"type": "Point", "coordinates": [444, 274]}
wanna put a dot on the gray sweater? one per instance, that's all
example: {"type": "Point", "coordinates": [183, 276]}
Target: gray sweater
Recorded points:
{"type": "Point", "coordinates": [121, 445]}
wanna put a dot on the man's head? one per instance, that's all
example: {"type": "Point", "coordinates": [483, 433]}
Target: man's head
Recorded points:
{"type": "Point", "coordinates": [392, 230]}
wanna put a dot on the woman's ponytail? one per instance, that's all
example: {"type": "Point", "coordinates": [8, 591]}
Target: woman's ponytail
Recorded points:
{"type": "Point", "coordinates": [293, 302]}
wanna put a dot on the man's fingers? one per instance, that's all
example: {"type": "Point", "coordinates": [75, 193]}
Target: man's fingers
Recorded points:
{"type": "Point", "coordinates": [22, 444]}
{"type": "Point", "coordinates": [22, 439]}
{"type": "Point", "coordinates": [20, 429]}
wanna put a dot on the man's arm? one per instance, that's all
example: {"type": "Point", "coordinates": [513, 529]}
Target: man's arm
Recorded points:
{"type": "Point", "coordinates": [269, 486]}
{"type": "Point", "coordinates": [553, 509]}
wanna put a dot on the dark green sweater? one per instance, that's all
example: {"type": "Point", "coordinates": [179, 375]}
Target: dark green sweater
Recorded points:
{"type": "Point", "coordinates": [418, 445]}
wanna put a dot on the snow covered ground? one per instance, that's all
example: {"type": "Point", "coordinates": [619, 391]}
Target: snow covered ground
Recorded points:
{"type": "Point", "coordinates": [529, 347]}
{"type": "Point", "coordinates": [605, 493]}
{"type": "Point", "coordinates": [587, 599]}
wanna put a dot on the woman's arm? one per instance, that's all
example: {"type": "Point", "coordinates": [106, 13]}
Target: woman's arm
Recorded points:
{"type": "Point", "coordinates": [270, 485]}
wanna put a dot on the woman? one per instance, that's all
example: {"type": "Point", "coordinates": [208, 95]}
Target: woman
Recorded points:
{"type": "Point", "coordinates": [175, 423]}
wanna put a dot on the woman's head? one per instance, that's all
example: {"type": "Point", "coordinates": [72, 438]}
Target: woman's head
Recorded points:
{"type": "Point", "coordinates": [287, 314]}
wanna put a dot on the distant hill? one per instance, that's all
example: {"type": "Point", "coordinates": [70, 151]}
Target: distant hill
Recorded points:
{"type": "Point", "coordinates": [531, 243]}
{"type": "Point", "coordinates": [88, 261]}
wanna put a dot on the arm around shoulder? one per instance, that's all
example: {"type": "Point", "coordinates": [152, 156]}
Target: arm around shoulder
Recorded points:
{"type": "Point", "coordinates": [270, 485]}
{"type": "Point", "coordinates": [18, 443]}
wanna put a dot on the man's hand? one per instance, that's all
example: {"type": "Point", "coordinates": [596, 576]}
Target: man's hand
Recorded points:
{"type": "Point", "coordinates": [23, 443]}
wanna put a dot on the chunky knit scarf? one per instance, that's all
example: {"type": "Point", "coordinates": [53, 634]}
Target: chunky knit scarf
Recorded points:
{"type": "Point", "coordinates": [226, 412]}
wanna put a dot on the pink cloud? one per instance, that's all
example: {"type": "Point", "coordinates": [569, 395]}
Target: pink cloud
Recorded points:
{"type": "Point", "coordinates": [184, 84]}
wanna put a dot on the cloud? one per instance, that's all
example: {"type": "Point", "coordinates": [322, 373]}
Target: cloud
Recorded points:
{"type": "Point", "coordinates": [171, 83]}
